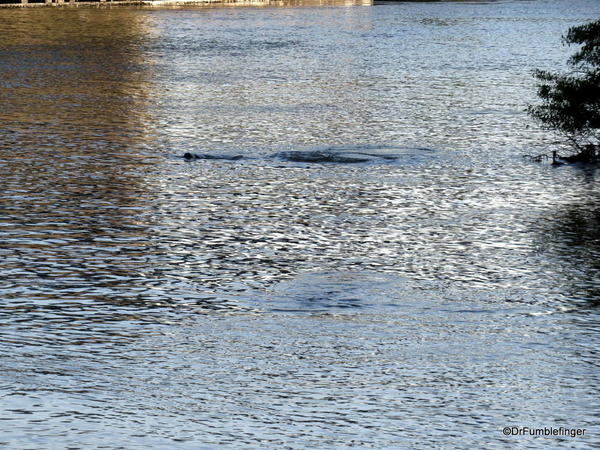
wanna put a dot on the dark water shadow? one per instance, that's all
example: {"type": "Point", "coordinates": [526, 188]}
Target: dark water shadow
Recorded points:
{"type": "Point", "coordinates": [336, 292]}
{"type": "Point", "coordinates": [570, 238]}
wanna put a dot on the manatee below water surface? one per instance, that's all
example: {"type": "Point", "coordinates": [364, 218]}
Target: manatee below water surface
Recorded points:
{"type": "Point", "coordinates": [330, 155]}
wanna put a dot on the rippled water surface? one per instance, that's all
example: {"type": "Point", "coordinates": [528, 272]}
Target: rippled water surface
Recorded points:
{"type": "Point", "coordinates": [354, 254]}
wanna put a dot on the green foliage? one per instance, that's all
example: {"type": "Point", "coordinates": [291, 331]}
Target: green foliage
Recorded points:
{"type": "Point", "coordinates": [571, 101]}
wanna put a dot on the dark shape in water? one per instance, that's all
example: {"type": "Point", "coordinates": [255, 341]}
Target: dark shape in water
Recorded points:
{"type": "Point", "coordinates": [320, 156]}
{"type": "Point", "coordinates": [587, 156]}
{"type": "Point", "coordinates": [343, 156]}
{"type": "Point", "coordinates": [556, 159]}
{"type": "Point", "coordinates": [194, 156]}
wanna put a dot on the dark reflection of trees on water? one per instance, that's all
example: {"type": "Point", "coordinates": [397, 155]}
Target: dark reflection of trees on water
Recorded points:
{"type": "Point", "coordinates": [572, 238]}
{"type": "Point", "coordinates": [74, 90]}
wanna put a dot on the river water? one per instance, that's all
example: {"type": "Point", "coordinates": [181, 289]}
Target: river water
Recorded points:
{"type": "Point", "coordinates": [359, 257]}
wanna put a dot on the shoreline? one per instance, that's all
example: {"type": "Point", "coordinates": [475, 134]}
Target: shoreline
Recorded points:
{"type": "Point", "coordinates": [137, 3]}
{"type": "Point", "coordinates": [181, 3]}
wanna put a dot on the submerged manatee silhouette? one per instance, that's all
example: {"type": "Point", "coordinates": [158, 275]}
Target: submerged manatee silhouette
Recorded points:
{"type": "Point", "coordinates": [330, 155]}
{"type": "Point", "coordinates": [193, 156]}
{"type": "Point", "coordinates": [323, 156]}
